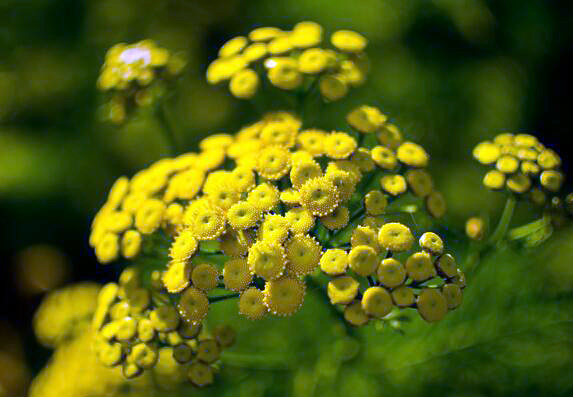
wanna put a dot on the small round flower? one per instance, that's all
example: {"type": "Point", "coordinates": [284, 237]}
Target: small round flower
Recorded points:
{"type": "Point", "coordinates": [200, 374]}
{"type": "Point", "coordinates": [348, 41]}
{"type": "Point", "coordinates": [312, 141]}
{"type": "Point", "coordinates": [176, 277]}
{"type": "Point", "coordinates": [403, 296]}
{"type": "Point", "coordinates": [395, 237]}
{"type": "Point", "coordinates": [290, 197]}
{"type": "Point", "coordinates": [267, 259]}
{"type": "Point", "coordinates": [255, 51]}
{"type": "Point", "coordinates": [320, 196]}
{"type": "Point", "coordinates": [342, 290]}
{"type": "Point", "coordinates": [303, 254]}
{"type": "Point", "coordinates": [234, 244]}
{"type": "Point", "coordinates": [236, 274]}
{"type": "Point", "coordinates": [363, 159]}
{"type": "Point", "coordinates": [145, 330]}
{"type": "Point", "coordinates": [518, 183]}
{"type": "Point", "coordinates": [251, 304]}
{"type": "Point", "coordinates": [264, 197]}
{"type": "Point", "coordinates": [283, 72]}
{"type": "Point", "coordinates": [537, 196]}
{"type": "Point", "coordinates": [204, 276]}
{"type": "Point", "coordinates": [507, 164]}
{"type": "Point", "coordinates": [334, 262]}
{"type": "Point", "coordinates": [548, 159]}
{"type": "Point", "coordinates": [207, 223]}
{"type": "Point", "coordinates": [118, 221]}
{"type": "Point", "coordinates": [243, 179]}
{"type": "Point", "coordinates": [337, 219]}
{"type": "Point", "coordinates": [446, 265]}
{"type": "Point", "coordinates": [273, 162]}
{"type": "Point", "coordinates": [363, 260]}
{"type": "Point", "coordinates": [486, 152]}
{"type": "Point", "coordinates": [244, 84]}
{"type": "Point", "coordinates": [332, 87]}
{"type": "Point", "coordinates": [107, 249]}
{"type": "Point", "coordinates": [391, 273]}
{"type": "Point", "coordinates": [354, 313]}
{"type": "Point", "coordinates": [265, 33]}
{"type": "Point", "coordinates": [412, 154]}
{"type": "Point", "coordinates": [280, 45]}
{"type": "Point", "coordinates": [306, 34]}
{"type": "Point", "coordinates": [284, 296]}
{"type": "Point", "coordinates": [475, 228]}
{"type": "Point", "coordinates": [312, 61]}
{"type": "Point", "coordinates": [366, 119]}
{"type": "Point", "coordinates": [143, 355]}
{"type": "Point", "coordinates": [164, 318]}
{"type": "Point", "coordinates": [364, 235]}
{"type": "Point", "coordinates": [551, 180]}
{"type": "Point", "coordinates": [222, 69]}
{"type": "Point", "coordinates": [118, 192]}
{"type": "Point", "coordinates": [184, 246]}
{"type": "Point", "coordinates": [339, 145]}
{"type": "Point", "coordinates": [243, 215]}
{"type": "Point", "coordinates": [431, 305]}
{"type": "Point", "coordinates": [281, 133]}
{"type": "Point", "coordinates": [420, 182]}
{"type": "Point", "coordinates": [384, 157]}
{"type": "Point", "coordinates": [375, 202]}
{"type": "Point", "coordinates": [436, 204]}
{"type": "Point", "coordinates": [394, 184]}
{"type": "Point", "coordinates": [420, 267]}
{"type": "Point", "coordinates": [300, 220]}
{"type": "Point", "coordinates": [109, 354]}
{"type": "Point", "coordinates": [453, 295]}
{"type": "Point", "coordinates": [149, 216]}
{"type": "Point", "coordinates": [304, 171]}
{"type": "Point", "coordinates": [494, 180]}
{"type": "Point", "coordinates": [530, 168]}
{"type": "Point", "coordinates": [431, 243]}
{"type": "Point", "coordinates": [193, 305]}
{"type": "Point", "coordinates": [208, 351]}
{"type": "Point", "coordinates": [233, 46]}
{"type": "Point", "coordinates": [274, 228]}
{"type": "Point", "coordinates": [377, 302]}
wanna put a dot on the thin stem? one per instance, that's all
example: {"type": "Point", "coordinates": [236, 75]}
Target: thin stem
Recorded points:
{"type": "Point", "coordinates": [213, 299]}
{"type": "Point", "coordinates": [167, 128]}
{"type": "Point", "coordinates": [504, 221]}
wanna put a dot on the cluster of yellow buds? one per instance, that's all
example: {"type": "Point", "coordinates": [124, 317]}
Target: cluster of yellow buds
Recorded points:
{"type": "Point", "coordinates": [522, 166]}
{"type": "Point", "coordinates": [378, 274]}
{"type": "Point", "coordinates": [129, 73]}
{"type": "Point", "coordinates": [132, 324]}
{"type": "Point", "coordinates": [291, 59]}
{"type": "Point", "coordinates": [252, 213]}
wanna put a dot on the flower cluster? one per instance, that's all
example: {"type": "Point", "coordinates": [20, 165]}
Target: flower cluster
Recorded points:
{"type": "Point", "coordinates": [378, 274]}
{"type": "Point", "coordinates": [291, 59]}
{"type": "Point", "coordinates": [522, 165]}
{"type": "Point", "coordinates": [130, 72]}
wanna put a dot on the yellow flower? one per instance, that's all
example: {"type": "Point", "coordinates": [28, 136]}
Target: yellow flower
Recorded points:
{"type": "Point", "coordinates": [332, 86]}
{"type": "Point", "coordinates": [389, 135]}
{"type": "Point", "coordinates": [453, 295]}
{"type": "Point", "coordinates": [149, 216]}
{"type": "Point", "coordinates": [233, 244]}
{"type": "Point", "coordinates": [251, 304]}
{"type": "Point", "coordinates": [348, 41]}
{"type": "Point", "coordinates": [494, 180]}
{"type": "Point", "coordinates": [306, 34]}
{"type": "Point", "coordinates": [204, 276]}
{"type": "Point", "coordinates": [193, 305]}
{"type": "Point", "coordinates": [107, 249]}
{"type": "Point", "coordinates": [284, 296]}
{"type": "Point", "coordinates": [375, 202]}
{"type": "Point", "coordinates": [290, 197]}
{"type": "Point", "coordinates": [274, 228]}
{"type": "Point", "coordinates": [344, 181]}
{"type": "Point", "coordinates": [355, 314]}
{"type": "Point", "coordinates": [377, 302]}
{"type": "Point", "coordinates": [243, 179]}
{"type": "Point", "coordinates": [312, 61]}
{"type": "Point", "coordinates": [281, 44]}
{"type": "Point", "coordinates": [339, 145]}
{"type": "Point", "coordinates": [236, 274]}
{"type": "Point", "coordinates": [283, 72]}
{"type": "Point", "coordinates": [267, 260]}
{"type": "Point", "coordinates": [143, 355]}
{"type": "Point", "coordinates": [118, 192]}
{"type": "Point", "coordinates": [264, 197]}
{"type": "Point", "coordinates": [265, 33]}
{"type": "Point", "coordinates": [420, 267]}
{"type": "Point", "coordinates": [363, 159]}
{"type": "Point", "coordinates": [366, 119]}
{"type": "Point", "coordinates": [475, 228]}
{"type": "Point", "coordinates": [334, 262]}
{"type": "Point", "coordinates": [342, 290]}
{"type": "Point", "coordinates": [243, 215]}
{"type": "Point", "coordinates": [208, 351]}
{"type": "Point", "coordinates": [395, 237]}
{"type": "Point", "coordinates": [304, 171]}
{"type": "Point", "coordinates": [420, 182]}
{"type": "Point", "coordinates": [320, 196]}
{"type": "Point", "coordinates": [279, 133]}
{"type": "Point", "coordinates": [233, 46]}
{"type": "Point", "coordinates": [518, 183]}
{"type": "Point", "coordinates": [412, 154]}
{"type": "Point", "coordinates": [551, 180]}
{"type": "Point", "coordinates": [300, 220]}
{"type": "Point", "coordinates": [255, 51]}
{"type": "Point", "coordinates": [431, 305]}
{"type": "Point", "coordinates": [337, 219]}
{"type": "Point", "coordinates": [206, 221]}
{"type": "Point", "coordinates": [200, 374]}
{"type": "Point", "coordinates": [303, 254]}
{"type": "Point", "coordinates": [184, 246]}
{"type": "Point", "coordinates": [486, 152]}
{"type": "Point", "coordinates": [244, 84]}
{"type": "Point", "coordinates": [222, 69]}
{"type": "Point", "coordinates": [436, 204]}
{"type": "Point", "coordinates": [164, 318]}
{"type": "Point", "coordinates": [394, 184]}
{"type": "Point", "coordinates": [403, 296]}
{"type": "Point", "coordinates": [446, 265]}
{"type": "Point", "coordinates": [548, 159]}
{"type": "Point", "coordinates": [363, 260]}
{"type": "Point", "coordinates": [364, 235]}
{"type": "Point", "coordinates": [391, 273]}
{"type": "Point", "coordinates": [273, 162]}
{"type": "Point", "coordinates": [507, 164]}
{"type": "Point", "coordinates": [312, 141]}
{"type": "Point", "coordinates": [431, 243]}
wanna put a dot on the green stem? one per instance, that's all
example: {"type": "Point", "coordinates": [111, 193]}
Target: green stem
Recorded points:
{"type": "Point", "coordinates": [504, 221]}
{"type": "Point", "coordinates": [167, 128]}
{"type": "Point", "coordinates": [213, 299]}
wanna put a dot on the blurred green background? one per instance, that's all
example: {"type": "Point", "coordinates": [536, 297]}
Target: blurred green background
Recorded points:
{"type": "Point", "coordinates": [449, 72]}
